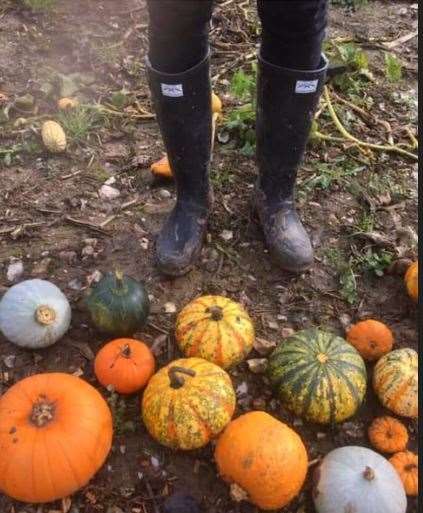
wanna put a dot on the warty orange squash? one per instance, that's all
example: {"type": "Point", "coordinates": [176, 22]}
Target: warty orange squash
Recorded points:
{"type": "Point", "coordinates": [371, 338]}
{"type": "Point", "coordinates": [187, 403]}
{"type": "Point", "coordinates": [406, 463]}
{"type": "Point", "coordinates": [411, 279]}
{"type": "Point", "coordinates": [215, 328]}
{"type": "Point", "coordinates": [55, 433]}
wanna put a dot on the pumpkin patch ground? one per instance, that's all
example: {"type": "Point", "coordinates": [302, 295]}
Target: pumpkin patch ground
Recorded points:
{"type": "Point", "coordinates": [94, 207]}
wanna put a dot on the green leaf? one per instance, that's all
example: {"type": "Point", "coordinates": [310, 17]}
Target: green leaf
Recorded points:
{"type": "Point", "coordinates": [393, 68]}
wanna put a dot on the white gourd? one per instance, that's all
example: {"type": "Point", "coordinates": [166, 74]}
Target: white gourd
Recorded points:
{"type": "Point", "coordinates": [34, 314]}
{"type": "Point", "coordinates": [358, 480]}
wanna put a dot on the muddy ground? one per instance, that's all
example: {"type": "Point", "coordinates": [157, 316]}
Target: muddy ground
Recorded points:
{"type": "Point", "coordinates": [359, 206]}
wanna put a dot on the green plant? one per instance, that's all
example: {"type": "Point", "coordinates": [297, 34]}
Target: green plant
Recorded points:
{"type": "Point", "coordinates": [221, 178]}
{"type": "Point", "coordinates": [241, 120]}
{"type": "Point", "coordinates": [393, 68]}
{"type": "Point", "coordinates": [79, 122]}
{"type": "Point", "coordinates": [356, 60]}
{"type": "Point", "coordinates": [375, 262]}
{"type": "Point", "coordinates": [40, 5]}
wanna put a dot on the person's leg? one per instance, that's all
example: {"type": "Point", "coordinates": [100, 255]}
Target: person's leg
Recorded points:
{"type": "Point", "coordinates": [291, 75]}
{"type": "Point", "coordinates": [179, 77]}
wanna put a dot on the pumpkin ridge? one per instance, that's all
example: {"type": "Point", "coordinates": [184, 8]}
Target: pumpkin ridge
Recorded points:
{"type": "Point", "coordinates": [352, 388]}
{"type": "Point", "coordinates": [240, 340]}
{"type": "Point", "coordinates": [66, 457]}
{"type": "Point", "coordinates": [49, 464]}
{"type": "Point", "coordinates": [295, 371]}
{"type": "Point", "coordinates": [331, 395]}
{"type": "Point", "coordinates": [207, 431]}
{"type": "Point", "coordinates": [198, 340]}
{"type": "Point", "coordinates": [314, 382]}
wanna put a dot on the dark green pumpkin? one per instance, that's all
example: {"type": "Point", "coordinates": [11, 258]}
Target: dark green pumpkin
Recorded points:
{"type": "Point", "coordinates": [118, 305]}
{"type": "Point", "coordinates": [318, 376]}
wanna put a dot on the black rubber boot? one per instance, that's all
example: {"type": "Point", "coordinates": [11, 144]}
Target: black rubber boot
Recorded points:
{"type": "Point", "coordinates": [286, 102]}
{"type": "Point", "coordinates": [183, 107]}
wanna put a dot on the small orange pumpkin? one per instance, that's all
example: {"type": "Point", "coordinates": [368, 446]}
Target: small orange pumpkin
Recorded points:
{"type": "Point", "coordinates": [125, 364]}
{"type": "Point", "coordinates": [387, 434]}
{"type": "Point", "coordinates": [371, 338]}
{"type": "Point", "coordinates": [55, 433]}
{"type": "Point", "coordinates": [406, 463]}
{"type": "Point", "coordinates": [264, 457]}
{"type": "Point", "coordinates": [411, 279]}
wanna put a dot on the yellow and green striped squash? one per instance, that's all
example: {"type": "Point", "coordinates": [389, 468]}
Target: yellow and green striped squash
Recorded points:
{"type": "Point", "coordinates": [187, 403]}
{"type": "Point", "coordinates": [395, 381]}
{"type": "Point", "coordinates": [318, 376]}
{"type": "Point", "coordinates": [215, 328]}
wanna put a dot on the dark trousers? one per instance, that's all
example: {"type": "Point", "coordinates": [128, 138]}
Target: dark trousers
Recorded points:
{"type": "Point", "coordinates": [292, 32]}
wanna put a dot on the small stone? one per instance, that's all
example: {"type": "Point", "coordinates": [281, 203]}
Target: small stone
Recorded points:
{"type": "Point", "coordinates": [87, 251]}
{"type": "Point", "coordinates": [15, 271]}
{"type": "Point", "coordinates": [273, 325]}
{"type": "Point", "coordinates": [237, 493]}
{"type": "Point", "coordinates": [345, 321]}
{"type": "Point", "coordinates": [259, 404]}
{"type": "Point", "coordinates": [75, 284]}
{"type": "Point", "coordinates": [320, 435]}
{"type": "Point", "coordinates": [226, 235]}
{"type": "Point", "coordinates": [144, 243]}
{"type": "Point", "coordinates": [94, 277]}
{"type": "Point", "coordinates": [242, 389]}
{"type": "Point", "coordinates": [42, 267]}
{"type": "Point", "coordinates": [91, 242]}
{"type": "Point", "coordinates": [110, 181]}
{"type": "Point", "coordinates": [263, 346]}
{"type": "Point", "coordinates": [68, 256]}
{"type": "Point", "coordinates": [287, 332]}
{"type": "Point", "coordinates": [9, 361]}
{"type": "Point", "coordinates": [165, 194]}
{"type": "Point", "coordinates": [257, 365]}
{"type": "Point", "coordinates": [170, 308]}
{"type": "Point", "coordinates": [122, 449]}
{"type": "Point", "coordinates": [297, 422]}
{"type": "Point", "coordinates": [155, 462]}
{"type": "Point", "coordinates": [108, 193]}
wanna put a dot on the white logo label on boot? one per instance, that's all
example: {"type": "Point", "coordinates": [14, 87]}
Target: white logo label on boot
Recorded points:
{"type": "Point", "coordinates": [173, 90]}
{"type": "Point", "coordinates": [306, 86]}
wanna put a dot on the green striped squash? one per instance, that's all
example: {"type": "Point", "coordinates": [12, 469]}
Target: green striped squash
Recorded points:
{"type": "Point", "coordinates": [318, 376]}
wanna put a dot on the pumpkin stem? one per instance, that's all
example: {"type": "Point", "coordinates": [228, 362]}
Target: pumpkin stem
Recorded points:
{"type": "Point", "coordinates": [119, 277]}
{"type": "Point", "coordinates": [42, 412]}
{"type": "Point", "coordinates": [178, 381]}
{"type": "Point", "coordinates": [322, 357]}
{"type": "Point", "coordinates": [45, 315]}
{"type": "Point", "coordinates": [369, 474]}
{"type": "Point", "coordinates": [216, 312]}
{"type": "Point", "coordinates": [126, 351]}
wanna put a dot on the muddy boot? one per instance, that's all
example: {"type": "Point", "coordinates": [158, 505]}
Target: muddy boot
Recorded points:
{"type": "Point", "coordinates": [286, 102]}
{"type": "Point", "coordinates": [183, 107]}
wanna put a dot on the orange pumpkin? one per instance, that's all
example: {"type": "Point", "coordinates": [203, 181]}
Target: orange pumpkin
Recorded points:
{"type": "Point", "coordinates": [411, 279]}
{"type": "Point", "coordinates": [264, 457]}
{"type": "Point", "coordinates": [387, 434]}
{"type": "Point", "coordinates": [125, 364]}
{"type": "Point", "coordinates": [55, 433]}
{"type": "Point", "coordinates": [406, 463]}
{"type": "Point", "coordinates": [371, 338]}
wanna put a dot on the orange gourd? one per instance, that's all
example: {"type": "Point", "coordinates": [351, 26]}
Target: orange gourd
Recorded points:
{"type": "Point", "coordinates": [125, 364]}
{"type": "Point", "coordinates": [371, 338]}
{"type": "Point", "coordinates": [406, 463]}
{"type": "Point", "coordinates": [387, 434]}
{"type": "Point", "coordinates": [411, 279]}
{"type": "Point", "coordinates": [264, 457]}
{"type": "Point", "coordinates": [55, 433]}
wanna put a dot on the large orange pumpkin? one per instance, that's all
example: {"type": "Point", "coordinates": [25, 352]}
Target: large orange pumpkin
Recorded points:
{"type": "Point", "coordinates": [125, 364]}
{"type": "Point", "coordinates": [263, 456]}
{"type": "Point", "coordinates": [371, 338]}
{"type": "Point", "coordinates": [187, 403]}
{"type": "Point", "coordinates": [411, 279]}
{"type": "Point", "coordinates": [395, 381]}
{"type": "Point", "coordinates": [215, 328]}
{"type": "Point", "coordinates": [55, 433]}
